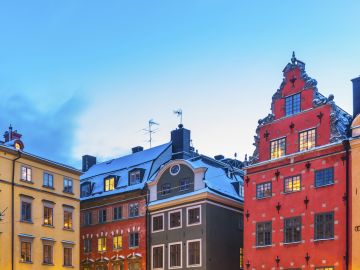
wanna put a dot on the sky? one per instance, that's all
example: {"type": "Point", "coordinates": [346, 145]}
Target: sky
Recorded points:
{"type": "Point", "coordinates": [85, 77]}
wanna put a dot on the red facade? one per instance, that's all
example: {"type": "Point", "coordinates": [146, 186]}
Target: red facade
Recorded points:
{"type": "Point", "coordinates": [126, 255]}
{"type": "Point", "coordinates": [295, 210]}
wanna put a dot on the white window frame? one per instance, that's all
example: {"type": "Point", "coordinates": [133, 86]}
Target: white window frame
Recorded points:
{"type": "Point", "coordinates": [187, 215]}
{"type": "Point", "coordinates": [187, 253]}
{"type": "Point", "coordinates": [152, 257]}
{"type": "Point", "coordinates": [169, 223]}
{"type": "Point", "coordinates": [181, 254]}
{"type": "Point", "coordinates": [31, 174]}
{"type": "Point", "coordinates": [152, 222]}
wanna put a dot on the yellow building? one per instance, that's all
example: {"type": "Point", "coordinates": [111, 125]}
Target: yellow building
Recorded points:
{"type": "Point", "coordinates": [39, 202]}
{"type": "Point", "coordinates": [355, 198]}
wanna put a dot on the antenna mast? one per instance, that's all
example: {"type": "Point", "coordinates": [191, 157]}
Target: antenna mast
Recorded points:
{"type": "Point", "coordinates": [179, 113]}
{"type": "Point", "coordinates": [150, 131]}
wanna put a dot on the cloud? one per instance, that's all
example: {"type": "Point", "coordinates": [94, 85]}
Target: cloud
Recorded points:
{"type": "Point", "coordinates": [49, 132]}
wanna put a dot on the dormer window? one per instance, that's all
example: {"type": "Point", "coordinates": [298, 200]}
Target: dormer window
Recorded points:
{"type": "Point", "coordinates": [85, 189]}
{"type": "Point", "coordinates": [109, 183]}
{"type": "Point", "coordinates": [292, 104]}
{"type": "Point", "coordinates": [134, 177]}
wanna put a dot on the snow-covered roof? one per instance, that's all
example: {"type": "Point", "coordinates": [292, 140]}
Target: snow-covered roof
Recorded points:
{"type": "Point", "coordinates": [148, 161]}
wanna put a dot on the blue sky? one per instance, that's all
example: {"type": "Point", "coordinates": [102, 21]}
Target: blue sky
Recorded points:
{"type": "Point", "coordinates": [84, 77]}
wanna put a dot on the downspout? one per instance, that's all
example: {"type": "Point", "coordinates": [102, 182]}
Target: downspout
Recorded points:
{"type": "Point", "coordinates": [147, 229]}
{"type": "Point", "coordinates": [13, 212]}
{"type": "Point", "coordinates": [347, 151]}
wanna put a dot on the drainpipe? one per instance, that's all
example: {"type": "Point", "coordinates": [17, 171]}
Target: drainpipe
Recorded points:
{"type": "Point", "coordinates": [13, 212]}
{"type": "Point", "coordinates": [346, 145]}
{"type": "Point", "coordinates": [147, 229]}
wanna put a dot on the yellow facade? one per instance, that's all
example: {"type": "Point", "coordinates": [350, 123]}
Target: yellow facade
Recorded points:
{"type": "Point", "coordinates": [29, 234]}
{"type": "Point", "coordinates": [355, 198]}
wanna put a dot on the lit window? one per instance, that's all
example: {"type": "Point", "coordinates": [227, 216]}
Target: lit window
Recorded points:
{"type": "Point", "coordinates": [193, 253]}
{"type": "Point", "coordinates": [278, 148]}
{"type": "Point", "coordinates": [48, 216]}
{"type": "Point", "coordinates": [48, 180]}
{"type": "Point", "coordinates": [135, 177]}
{"type": "Point", "coordinates": [292, 230]}
{"type": "Point", "coordinates": [193, 215]}
{"type": "Point", "coordinates": [158, 223]}
{"type": "Point", "coordinates": [158, 257]}
{"type": "Point", "coordinates": [25, 251]}
{"type": "Point", "coordinates": [117, 242]}
{"type": "Point", "coordinates": [68, 220]}
{"type": "Point", "coordinates": [324, 226]}
{"type": "Point", "coordinates": [109, 184]}
{"type": "Point", "coordinates": [324, 177]}
{"type": "Point", "coordinates": [134, 239]}
{"type": "Point", "coordinates": [165, 189]}
{"type": "Point", "coordinates": [307, 139]}
{"type": "Point", "coordinates": [292, 184]}
{"type": "Point", "coordinates": [263, 234]}
{"type": "Point", "coordinates": [68, 185]}
{"type": "Point", "coordinates": [101, 244]}
{"type": "Point", "coordinates": [67, 256]}
{"type": "Point", "coordinates": [325, 268]}
{"type": "Point", "coordinates": [263, 190]}
{"type": "Point", "coordinates": [292, 104]}
{"type": "Point", "coordinates": [175, 255]}
{"type": "Point", "coordinates": [26, 174]}
{"type": "Point", "coordinates": [241, 258]}
{"type": "Point", "coordinates": [133, 210]}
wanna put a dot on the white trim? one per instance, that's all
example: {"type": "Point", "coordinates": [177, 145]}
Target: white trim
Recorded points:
{"type": "Point", "coordinates": [152, 257]}
{"type": "Point", "coordinates": [187, 215]}
{"type": "Point", "coordinates": [169, 223]}
{"type": "Point", "coordinates": [181, 255]}
{"type": "Point", "coordinates": [152, 222]}
{"type": "Point", "coordinates": [179, 207]}
{"type": "Point", "coordinates": [175, 165]}
{"type": "Point", "coordinates": [187, 253]}
{"type": "Point", "coordinates": [226, 207]}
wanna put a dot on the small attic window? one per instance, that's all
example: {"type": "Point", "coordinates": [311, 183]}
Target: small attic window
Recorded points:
{"type": "Point", "coordinates": [292, 104]}
{"type": "Point", "coordinates": [134, 177]}
{"type": "Point", "coordinates": [109, 183]}
{"type": "Point", "coordinates": [85, 189]}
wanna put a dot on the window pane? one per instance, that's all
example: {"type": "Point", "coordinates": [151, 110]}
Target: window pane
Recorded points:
{"type": "Point", "coordinates": [324, 177]}
{"type": "Point", "coordinates": [278, 148]}
{"type": "Point", "coordinates": [175, 255]}
{"type": "Point", "coordinates": [264, 190]}
{"type": "Point", "coordinates": [175, 219]}
{"type": "Point", "coordinates": [194, 253]}
{"type": "Point", "coordinates": [194, 215]}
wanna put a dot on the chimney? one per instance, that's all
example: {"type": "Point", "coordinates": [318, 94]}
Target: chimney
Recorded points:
{"type": "Point", "coordinates": [137, 149]}
{"type": "Point", "coordinates": [11, 135]}
{"type": "Point", "coordinates": [219, 157]}
{"type": "Point", "coordinates": [87, 162]}
{"type": "Point", "coordinates": [180, 139]}
{"type": "Point", "coordinates": [356, 96]}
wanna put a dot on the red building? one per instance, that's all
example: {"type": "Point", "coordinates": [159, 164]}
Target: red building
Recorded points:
{"type": "Point", "coordinates": [295, 191]}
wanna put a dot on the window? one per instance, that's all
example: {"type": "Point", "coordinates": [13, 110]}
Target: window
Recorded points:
{"type": "Point", "coordinates": [68, 185]}
{"type": "Point", "coordinates": [117, 213]}
{"type": "Point", "coordinates": [102, 216]}
{"type": "Point", "coordinates": [165, 189]}
{"type": "Point", "coordinates": [158, 257]}
{"type": "Point", "coordinates": [26, 211]}
{"type": "Point", "coordinates": [68, 221]}
{"type": "Point", "coordinates": [292, 184]}
{"type": "Point", "coordinates": [263, 190]}
{"type": "Point", "coordinates": [325, 268]}
{"type": "Point", "coordinates": [25, 251]}
{"type": "Point", "coordinates": [292, 104]}
{"type": "Point", "coordinates": [118, 266]}
{"type": "Point", "coordinates": [292, 230]}
{"type": "Point", "coordinates": [324, 177]}
{"type": "Point", "coordinates": [67, 256]}
{"type": "Point", "coordinates": [278, 148]}
{"type": "Point", "coordinates": [193, 215]}
{"type": "Point", "coordinates": [175, 169]}
{"type": "Point", "coordinates": [117, 242]}
{"type": "Point", "coordinates": [324, 226]}
{"type": "Point", "coordinates": [134, 266]}
{"type": "Point", "coordinates": [194, 253]}
{"type": "Point", "coordinates": [47, 254]}
{"type": "Point", "coordinates": [184, 184]}
{"type": "Point", "coordinates": [307, 139]}
{"type": "Point", "coordinates": [85, 189]}
{"type": "Point", "coordinates": [101, 244]}
{"type": "Point", "coordinates": [241, 190]}
{"type": "Point", "coordinates": [101, 267]}
{"type": "Point", "coordinates": [87, 245]}
{"type": "Point", "coordinates": [241, 258]}
{"type": "Point", "coordinates": [263, 234]}
{"type": "Point", "coordinates": [158, 223]}
{"type": "Point", "coordinates": [134, 239]}
{"type": "Point", "coordinates": [133, 210]}
{"type": "Point", "coordinates": [135, 177]}
{"type": "Point", "coordinates": [48, 180]}
{"type": "Point", "coordinates": [26, 174]}
{"type": "Point", "coordinates": [175, 219]}
{"type": "Point", "coordinates": [109, 184]}
{"type": "Point", "coordinates": [175, 255]}
{"type": "Point", "coordinates": [48, 216]}
{"type": "Point", "coordinates": [87, 218]}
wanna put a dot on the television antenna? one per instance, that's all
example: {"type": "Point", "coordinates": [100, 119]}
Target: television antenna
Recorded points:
{"type": "Point", "coordinates": [150, 130]}
{"type": "Point", "coordinates": [179, 113]}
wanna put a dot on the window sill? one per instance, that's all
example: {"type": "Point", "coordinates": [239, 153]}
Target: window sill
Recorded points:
{"type": "Point", "coordinates": [27, 221]}
{"type": "Point", "coordinates": [327, 185]}
{"type": "Point", "coordinates": [134, 247]}
{"type": "Point", "coordinates": [49, 187]}
{"type": "Point", "coordinates": [325, 239]}
{"type": "Point", "coordinates": [48, 264]}
{"type": "Point", "coordinates": [48, 226]}
{"type": "Point", "coordinates": [71, 193]}
{"type": "Point", "coordinates": [266, 246]}
{"type": "Point", "coordinates": [291, 192]}
{"type": "Point", "coordinates": [69, 230]}
{"type": "Point", "coordinates": [117, 249]}
{"type": "Point", "coordinates": [26, 181]}
{"type": "Point", "coordinates": [30, 262]}
{"type": "Point", "coordinates": [263, 198]}
{"type": "Point", "coordinates": [292, 243]}
{"type": "Point", "coordinates": [68, 266]}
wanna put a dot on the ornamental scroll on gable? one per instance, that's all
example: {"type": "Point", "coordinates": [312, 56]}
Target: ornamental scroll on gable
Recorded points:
{"type": "Point", "coordinates": [339, 119]}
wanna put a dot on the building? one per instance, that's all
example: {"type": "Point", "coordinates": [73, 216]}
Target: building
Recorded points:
{"type": "Point", "coordinates": [39, 227]}
{"type": "Point", "coordinates": [113, 209]}
{"type": "Point", "coordinates": [196, 211]}
{"type": "Point", "coordinates": [355, 179]}
{"type": "Point", "coordinates": [296, 207]}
